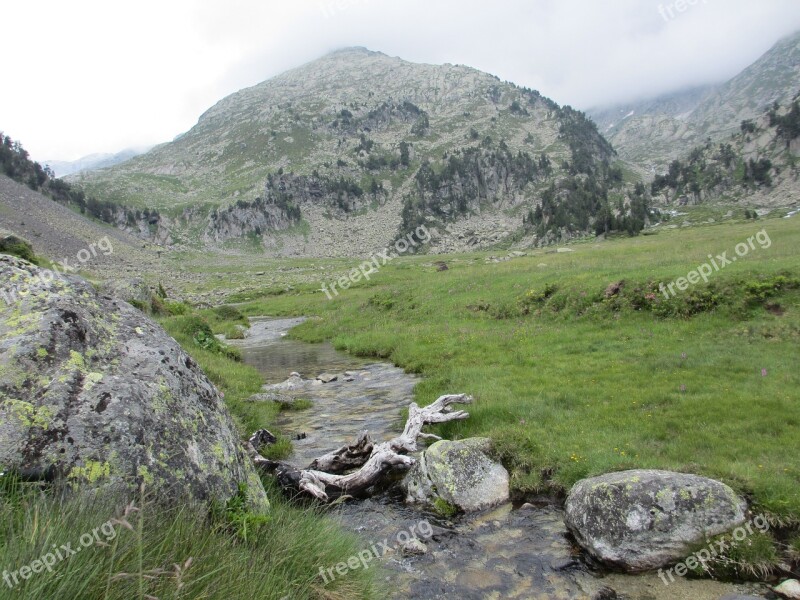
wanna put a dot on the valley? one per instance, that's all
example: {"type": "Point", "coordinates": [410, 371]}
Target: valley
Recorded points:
{"type": "Point", "coordinates": [539, 352]}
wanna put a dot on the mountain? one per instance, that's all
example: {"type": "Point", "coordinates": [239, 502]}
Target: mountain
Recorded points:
{"type": "Point", "coordinates": [345, 154]}
{"type": "Point", "coordinates": [62, 168]}
{"type": "Point", "coordinates": [757, 165]}
{"type": "Point", "coordinates": [652, 133]}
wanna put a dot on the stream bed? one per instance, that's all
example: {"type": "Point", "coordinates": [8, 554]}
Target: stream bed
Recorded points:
{"type": "Point", "coordinates": [508, 552]}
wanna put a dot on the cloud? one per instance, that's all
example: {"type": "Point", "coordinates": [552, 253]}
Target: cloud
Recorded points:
{"type": "Point", "coordinates": [91, 76]}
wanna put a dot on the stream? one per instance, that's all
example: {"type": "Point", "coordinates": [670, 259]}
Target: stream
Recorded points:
{"type": "Point", "coordinates": [508, 552]}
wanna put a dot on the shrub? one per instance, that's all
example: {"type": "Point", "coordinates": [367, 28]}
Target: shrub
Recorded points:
{"type": "Point", "coordinates": [18, 247]}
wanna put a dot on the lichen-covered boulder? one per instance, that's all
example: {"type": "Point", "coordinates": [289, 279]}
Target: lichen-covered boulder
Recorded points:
{"type": "Point", "coordinates": [94, 393]}
{"type": "Point", "coordinates": [458, 474]}
{"type": "Point", "coordinates": [642, 520]}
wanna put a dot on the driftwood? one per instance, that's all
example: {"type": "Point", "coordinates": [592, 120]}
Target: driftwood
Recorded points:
{"type": "Point", "coordinates": [327, 477]}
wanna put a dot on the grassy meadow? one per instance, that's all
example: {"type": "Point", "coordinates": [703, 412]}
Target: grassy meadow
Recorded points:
{"type": "Point", "coordinates": [571, 380]}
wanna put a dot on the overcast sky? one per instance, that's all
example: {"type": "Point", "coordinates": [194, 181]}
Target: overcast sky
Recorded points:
{"type": "Point", "coordinates": [84, 76]}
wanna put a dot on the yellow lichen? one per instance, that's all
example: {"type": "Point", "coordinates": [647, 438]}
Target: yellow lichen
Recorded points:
{"type": "Point", "coordinates": [146, 476]}
{"type": "Point", "coordinates": [30, 416]}
{"type": "Point", "coordinates": [92, 472]}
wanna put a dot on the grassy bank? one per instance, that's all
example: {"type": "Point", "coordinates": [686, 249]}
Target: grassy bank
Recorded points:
{"type": "Point", "coordinates": [168, 554]}
{"type": "Point", "coordinates": [572, 379]}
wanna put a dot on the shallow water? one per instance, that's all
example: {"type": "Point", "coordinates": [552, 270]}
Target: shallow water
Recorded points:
{"type": "Point", "coordinates": [507, 552]}
{"type": "Point", "coordinates": [267, 348]}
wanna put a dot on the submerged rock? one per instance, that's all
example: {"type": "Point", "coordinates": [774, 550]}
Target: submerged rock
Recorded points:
{"type": "Point", "coordinates": [414, 547]}
{"type": "Point", "coordinates": [277, 397]}
{"type": "Point", "coordinates": [94, 393]}
{"type": "Point", "coordinates": [641, 520]}
{"type": "Point", "coordinates": [458, 474]}
{"type": "Point", "coordinates": [294, 382]}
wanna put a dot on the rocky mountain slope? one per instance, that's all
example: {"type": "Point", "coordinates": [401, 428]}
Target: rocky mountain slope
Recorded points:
{"type": "Point", "coordinates": [652, 133]}
{"type": "Point", "coordinates": [757, 164]}
{"type": "Point", "coordinates": [59, 233]}
{"type": "Point", "coordinates": [343, 155]}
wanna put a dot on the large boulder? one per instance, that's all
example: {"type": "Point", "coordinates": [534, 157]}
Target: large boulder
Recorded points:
{"type": "Point", "coordinates": [642, 520]}
{"type": "Point", "coordinates": [460, 474]}
{"type": "Point", "coordinates": [94, 393]}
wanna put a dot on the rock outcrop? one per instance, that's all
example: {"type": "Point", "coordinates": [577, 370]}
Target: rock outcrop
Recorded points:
{"type": "Point", "coordinates": [642, 520]}
{"type": "Point", "coordinates": [460, 474]}
{"type": "Point", "coordinates": [95, 394]}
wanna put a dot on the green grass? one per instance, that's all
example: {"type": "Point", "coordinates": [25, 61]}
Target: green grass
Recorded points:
{"type": "Point", "coordinates": [180, 552]}
{"type": "Point", "coordinates": [571, 384]}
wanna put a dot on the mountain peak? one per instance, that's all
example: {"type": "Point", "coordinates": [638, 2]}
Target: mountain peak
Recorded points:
{"type": "Point", "coordinates": [355, 50]}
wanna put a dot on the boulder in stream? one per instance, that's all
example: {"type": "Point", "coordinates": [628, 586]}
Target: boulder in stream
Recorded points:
{"type": "Point", "coordinates": [294, 382]}
{"type": "Point", "coordinates": [95, 394]}
{"type": "Point", "coordinates": [642, 520]}
{"type": "Point", "coordinates": [459, 474]}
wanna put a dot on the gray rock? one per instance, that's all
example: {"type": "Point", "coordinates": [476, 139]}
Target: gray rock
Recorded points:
{"type": "Point", "coordinates": [272, 397]}
{"type": "Point", "coordinates": [129, 290]}
{"type": "Point", "coordinates": [460, 473]}
{"type": "Point", "coordinates": [295, 382]}
{"type": "Point", "coordinates": [414, 547]}
{"type": "Point", "coordinates": [94, 393]}
{"type": "Point", "coordinates": [327, 378]}
{"type": "Point", "coordinates": [789, 589]}
{"type": "Point", "coordinates": [739, 597]}
{"type": "Point", "coordinates": [641, 520]}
